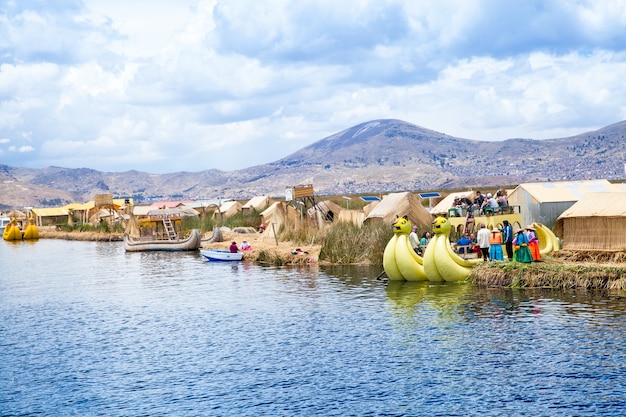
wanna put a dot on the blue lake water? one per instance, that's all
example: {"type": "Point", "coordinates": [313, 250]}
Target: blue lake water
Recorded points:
{"type": "Point", "coordinates": [89, 330]}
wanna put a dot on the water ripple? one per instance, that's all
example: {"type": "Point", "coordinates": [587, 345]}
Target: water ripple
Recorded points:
{"type": "Point", "coordinates": [90, 330]}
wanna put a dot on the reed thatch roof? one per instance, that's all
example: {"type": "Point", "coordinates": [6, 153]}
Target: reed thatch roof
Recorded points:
{"type": "Point", "coordinates": [596, 222]}
{"type": "Point", "coordinates": [444, 205]}
{"type": "Point", "coordinates": [397, 205]}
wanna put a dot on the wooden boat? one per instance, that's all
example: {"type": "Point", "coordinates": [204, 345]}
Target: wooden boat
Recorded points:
{"type": "Point", "coordinates": [191, 242]}
{"type": "Point", "coordinates": [221, 255]}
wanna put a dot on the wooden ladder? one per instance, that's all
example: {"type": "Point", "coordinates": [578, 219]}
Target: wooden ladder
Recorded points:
{"type": "Point", "coordinates": [468, 215]}
{"type": "Point", "coordinates": [169, 228]}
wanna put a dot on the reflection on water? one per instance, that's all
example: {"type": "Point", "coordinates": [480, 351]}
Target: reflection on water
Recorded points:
{"type": "Point", "coordinates": [87, 329]}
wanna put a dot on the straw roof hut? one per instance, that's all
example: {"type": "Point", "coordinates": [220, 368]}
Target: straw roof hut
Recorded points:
{"type": "Point", "coordinates": [51, 216]}
{"type": "Point", "coordinates": [397, 205]}
{"type": "Point", "coordinates": [278, 215]}
{"type": "Point", "coordinates": [356, 217]}
{"type": "Point", "coordinates": [596, 223]}
{"type": "Point", "coordinates": [328, 210]}
{"type": "Point", "coordinates": [228, 209]}
{"type": "Point", "coordinates": [442, 207]}
{"type": "Point", "coordinates": [258, 203]}
{"type": "Point", "coordinates": [544, 202]}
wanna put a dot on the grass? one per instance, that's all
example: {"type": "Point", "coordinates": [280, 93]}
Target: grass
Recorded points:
{"type": "Point", "coordinates": [102, 227]}
{"type": "Point", "coordinates": [345, 243]}
{"type": "Point", "coordinates": [549, 275]}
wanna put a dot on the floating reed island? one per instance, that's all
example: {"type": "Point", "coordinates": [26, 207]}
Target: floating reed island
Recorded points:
{"type": "Point", "coordinates": [563, 269]}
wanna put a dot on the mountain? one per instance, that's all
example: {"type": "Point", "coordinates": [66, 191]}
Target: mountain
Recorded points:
{"type": "Point", "coordinates": [372, 157]}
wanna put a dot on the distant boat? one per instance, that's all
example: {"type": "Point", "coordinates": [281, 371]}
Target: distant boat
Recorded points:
{"type": "Point", "coordinates": [4, 222]}
{"type": "Point", "coordinates": [221, 255]}
{"type": "Point", "coordinates": [191, 242]}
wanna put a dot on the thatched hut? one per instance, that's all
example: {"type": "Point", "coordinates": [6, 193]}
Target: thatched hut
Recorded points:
{"type": "Point", "coordinates": [51, 216]}
{"type": "Point", "coordinates": [595, 223]}
{"type": "Point", "coordinates": [228, 209]}
{"type": "Point", "coordinates": [258, 203]}
{"type": "Point", "coordinates": [442, 207]}
{"type": "Point", "coordinates": [544, 202]}
{"type": "Point", "coordinates": [356, 217]}
{"type": "Point", "coordinates": [397, 205]}
{"type": "Point", "coordinates": [326, 210]}
{"type": "Point", "coordinates": [278, 215]}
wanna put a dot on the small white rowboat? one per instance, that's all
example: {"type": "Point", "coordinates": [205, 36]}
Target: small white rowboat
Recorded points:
{"type": "Point", "coordinates": [221, 255]}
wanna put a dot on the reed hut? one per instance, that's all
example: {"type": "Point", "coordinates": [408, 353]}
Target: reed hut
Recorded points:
{"type": "Point", "coordinates": [396, 205]}
{"type": "Point", "coordinates": [51, 216]}
{"type": "Point", "coordinates": [258, 203]}
{"type": "Point", "coordinates": [228, 209]}
{"type": "Point", "coordinates": [355, 217]}
{"type": "Point", "coordinates": [544, 202]}
{"type": "Point", "coordinates": [442, 207]}
{"type": "Point", "coordinates": [327, 210]}
{"type": "Point", "coordinates": [277, 216]}
{"type": "Point", "coordinates": [595, 223]}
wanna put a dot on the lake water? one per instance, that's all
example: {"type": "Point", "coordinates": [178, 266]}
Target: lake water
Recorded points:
{"type": "Point", "coordinates": [89, 330]}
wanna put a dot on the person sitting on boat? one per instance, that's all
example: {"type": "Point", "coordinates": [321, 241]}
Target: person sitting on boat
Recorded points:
{"type": "Point", "coordinates": [463, 244]}
{"type": "Point", "coordinates": [424, 241]}
{"type": "Point", "coordinates": [245, 245]}
{"type": "Point", "coordinates": [234, 248]}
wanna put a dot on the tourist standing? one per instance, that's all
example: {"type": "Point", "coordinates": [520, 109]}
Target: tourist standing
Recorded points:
{"type": "Point", "coordinates": [482, 238]}
{"type": "Point", "coordinates": [415, 243]}
{"type": "Point", "coordinates": [507, 238]}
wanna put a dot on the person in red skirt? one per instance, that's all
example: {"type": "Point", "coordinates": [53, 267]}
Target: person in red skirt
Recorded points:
{"type": "Point", "coordinates": [533, 243]}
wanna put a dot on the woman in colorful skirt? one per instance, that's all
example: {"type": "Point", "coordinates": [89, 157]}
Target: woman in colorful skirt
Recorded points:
{"type": "Point", "coordinates": [533, 243]}
{"type": "Point", "coordinates": [495, 246]}
{"type": "Point", "coordinates": [520, 243]}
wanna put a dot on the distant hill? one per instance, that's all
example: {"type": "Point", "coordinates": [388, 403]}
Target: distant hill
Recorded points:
{"type": "Point", "coordinates": [372, 157]}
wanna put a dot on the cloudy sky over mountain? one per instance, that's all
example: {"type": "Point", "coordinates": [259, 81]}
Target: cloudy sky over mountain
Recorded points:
{"type": "Point", "coordinates": [165, 86]}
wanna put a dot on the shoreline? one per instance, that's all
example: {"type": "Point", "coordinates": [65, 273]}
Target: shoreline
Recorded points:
{"type": "Point", "coordinates": [561, 269]}
{"type": "Point", "coordinates": [550, 274]}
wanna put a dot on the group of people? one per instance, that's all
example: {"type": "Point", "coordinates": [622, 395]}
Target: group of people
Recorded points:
{"type": "Point", "coordinates": [244, 246]}
{"type": "Point", "coordinates": [485, 203]}
{"type": "Point", "coordinates": [521, 245]}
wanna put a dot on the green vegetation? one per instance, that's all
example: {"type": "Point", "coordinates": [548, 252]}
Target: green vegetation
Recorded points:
{"type": "Point", "coordinates": [102, 227]}
{"type": "Point", "coordinates": [345, 243]}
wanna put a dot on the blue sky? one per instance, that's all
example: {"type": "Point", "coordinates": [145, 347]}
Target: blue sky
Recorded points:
{"type": "Point", "coordinates": [188, 85]}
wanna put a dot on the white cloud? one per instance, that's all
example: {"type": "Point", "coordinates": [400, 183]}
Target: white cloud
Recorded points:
{"type": "Point", "coordinates": [166, 86]}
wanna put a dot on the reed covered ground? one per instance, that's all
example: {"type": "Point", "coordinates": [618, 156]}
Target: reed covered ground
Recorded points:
{"type": "Point", "coordinates": [561, 270]}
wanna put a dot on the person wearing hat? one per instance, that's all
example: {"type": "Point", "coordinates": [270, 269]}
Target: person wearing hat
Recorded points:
{"type": "Point", "coordinates": [507, 238]}
{"type": "Point", "coordinates": [533, 242]}
{"type": "Point", "coordinates": [234, 248]}
{"type": "Point", "coordinates": [495, 246]}
{"type": "Point", "coordinates": [522, 253]}
{"type": "Point", "coordinates": [482, 238]}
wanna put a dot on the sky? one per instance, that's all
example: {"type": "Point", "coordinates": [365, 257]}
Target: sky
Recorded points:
{"type": "Point", "coordinates": [164, 86]}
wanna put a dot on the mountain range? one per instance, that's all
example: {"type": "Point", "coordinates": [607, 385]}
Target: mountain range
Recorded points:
{"type": "Point", "coordinates": [372, 157]}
